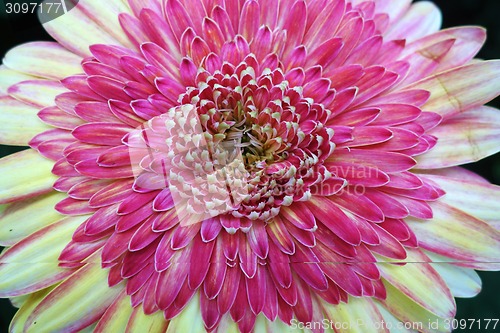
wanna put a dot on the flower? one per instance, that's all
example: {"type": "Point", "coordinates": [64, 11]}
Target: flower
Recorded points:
{"type": "Point", "coordinates": [230, 166]}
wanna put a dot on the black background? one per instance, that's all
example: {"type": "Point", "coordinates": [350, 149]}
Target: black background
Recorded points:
{"type": "Point", "coordinates": [23, 28]}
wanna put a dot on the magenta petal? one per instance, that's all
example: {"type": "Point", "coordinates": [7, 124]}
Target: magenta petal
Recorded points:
{"type": "Point", "coordinates": [387, 204]}
{"type": "Point", "coordinates": [358, 205]}
{"type": "Point", "coordinates": [258, 240]}
{"type": "Point", "coordinates": [389, 245]}
{"type": "Point", "coordinates": [199, 262]}
{"type": "Point", "coordinates": [256, 290]}
{"type": "Point", "coordinates": [166, 292]}
{"type": "Point", "coordinates": [163, 201]}
{"type": "Point", "coordinates": [95, 112]}
{"type": "Point", "coordinates": [305, 266]}
{"type": "Point", "coordinates": [210, 229]}
{"type": "Point", "coordinates": [143, 236]}
{"type": "Point", "coordinates": [304, 309]}
{"type": "Point", "coordinates": [58, 118]}
{"type": "Point", "coordinates": [278, 233]}
{"type": "Point", "coordinates": [248, 259]}
{"type": "Point", "coordinates": [333, 217]}
{"type": "Point", "coordinates": [103, 219]}
{"type": "Point", "coordinates": [70, 206]}
{"type": "Point", "coordinates": [209, 312]}
{"type": "Point", "coordinates": [386, 161]}
{"type": "Point", "coordinates": [249, 24]}
{"type": "Point", "coordinates": [212, 287]}
{"type": "Point", "coordinates": [182, 236]}
{"type": "Point", "coordinates": [114, 157]}
{"type": "Point", "coordinates": [300, 216]}
{"type": "Point", "coordinates": [101, 133]}
{"type": "Point", "coordinates": [228, 293]}
{"type": "Point", "coordinates": [280, 269]}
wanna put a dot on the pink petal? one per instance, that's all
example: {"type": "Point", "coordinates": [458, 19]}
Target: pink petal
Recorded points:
{"type": "Point", "coordinates": [332, 216]}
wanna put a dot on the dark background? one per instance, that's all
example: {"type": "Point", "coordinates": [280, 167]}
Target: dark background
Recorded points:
{"type": "Point", "coordinates": [486, 13]}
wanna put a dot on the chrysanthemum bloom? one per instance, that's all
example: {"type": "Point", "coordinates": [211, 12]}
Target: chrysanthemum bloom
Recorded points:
{"type": "Point", "coordinates": [244, 165]}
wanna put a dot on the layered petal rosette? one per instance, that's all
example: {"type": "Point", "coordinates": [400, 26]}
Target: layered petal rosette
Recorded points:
{"type": "Point", "coordinates": [246, 166]}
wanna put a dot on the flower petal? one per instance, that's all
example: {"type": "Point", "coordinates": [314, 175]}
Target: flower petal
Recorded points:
{"type": "Point", "coordinates": [48, 60]}
{"type": "Point", "coordinates": [418, 280]}
{"type": "Point", "coordinates": [470, 196]}
{"type": "Point", "coordinates": [105, 15]}
{"type": "Point", "coordinates": [19, 122]}
{"type": "Point", "coordinates": [468, 42]}
{"type": "Point", "coordinates": [88, 287]}
{"type": "Point", "coordinates": [24, 175]}
{"type": "Point", "coordinates": [39, 93]}
{"type": "Point", "coordinates": [385, 161]}
{"type": "Point", "coordinates": [464, 138]}
{"type": "Point", "coordinates": [19, 320]}
{"type": "Point", "coordinates": [394, 9]}
{"type": "Point", "coordinates": [140, 322]}
{"type": "Point", "coordinates": [461, 88]}
{"type": "Point", "coordinates": [463, 282]}
{"type": "Point", "coordinates": [9, 77]}
{"type": "Point", "coordinates": [406, 310]}
{"type": "Point", "coordinates": [116, 317]}
{"type": "Point", "coordinates": [189, 320]}
{"type": "Point", "coordinates": [76, 31]}
{"type": "Point", "coordinates": [470, 242]}
{"type": "Point", "coordinates": [32, 264]}
{"type": "Point", "coordinates": [359, 312]}
{"type": "Point", "coordinates": [18, 220]}
{"type": "Point", "coordinates": [334, 218]}
{"type": "Point", "coordinates": [421, 19]}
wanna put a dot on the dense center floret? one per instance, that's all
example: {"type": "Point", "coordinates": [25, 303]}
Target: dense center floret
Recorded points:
{"type": "Point", "coordinates": [243, 141]}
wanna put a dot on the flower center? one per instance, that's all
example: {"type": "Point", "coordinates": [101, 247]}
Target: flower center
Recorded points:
{"type": "Point", "coordinates": [241, 111]}
{"type": "Point", "coordinates": [242, 141]}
